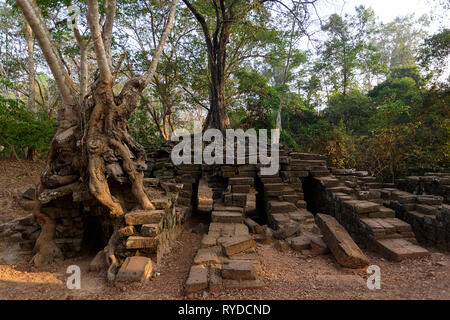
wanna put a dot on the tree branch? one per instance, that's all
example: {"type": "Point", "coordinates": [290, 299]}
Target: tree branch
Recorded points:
{"type": "Point", "coordinates": [34, 17]}
{"type": "Point", "coordinates": [102, 60]}
{"type": "Point", "coordinates": [146, 79]}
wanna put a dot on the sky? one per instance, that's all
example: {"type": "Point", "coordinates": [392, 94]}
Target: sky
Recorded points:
{"type": "Point", "coordinates": [387, 10]}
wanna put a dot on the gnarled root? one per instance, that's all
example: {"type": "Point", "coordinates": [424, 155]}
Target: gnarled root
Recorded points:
{"type": "Point", "coordinates": [111, 260]}
{"type": "Point", "coordinates": [99, 188]}
{"type": "Point", "coordinates": [45, 248]}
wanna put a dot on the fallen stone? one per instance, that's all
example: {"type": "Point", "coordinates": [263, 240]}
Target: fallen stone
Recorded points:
{"type": "Point", "coordinates": [238, 244]}
{"type": "Point", "coordinates": [150, 230]}
{"type": "Point", "coordinates": [253, 226]}
{"type": "Point", "coordinates": [318, 246]}
{"type": "Point", "coordinates": [197, 280]}
{"type": "Point", "coordinates": [239, 270]}
{"type": "Point", "coordinates": [208, 240]}
{"type": "Point", "coordinates": [98, 263]}
{"type": "Point", "coordinates": [227, 217]}
{"type": "Point", "coordinates": [127, 231]}
{"type": "Point", "coordinates": [138, 217]}
{"type": "Point", "coordinates": [136, 242]}
{"type": "Point", "coordinates": [344, 249]}
{"type": "Point", "coordinates": [206, 256]}
{"type": "Point", "coordinates": [135, 269]}
{"type": "Point", "coordinates": [300, 243]}
{"type": "Point", "coordinates": [281, 245]}
{"type": "Point", "coordinates": [215, 280]}
{"type": "Point", "coordinates": [400, 249]}
{"type": "Point", "coordinates": [240, 181]}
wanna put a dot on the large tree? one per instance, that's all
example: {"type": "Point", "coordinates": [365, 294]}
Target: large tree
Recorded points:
{"type": "Point", "coordinates": [219, 20]}
{"type": "Point", "coordinates": [92, 136]}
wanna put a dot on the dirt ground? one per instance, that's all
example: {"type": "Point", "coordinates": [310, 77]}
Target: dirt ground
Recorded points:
{"type": "Point", "coordinates": [287, 275]}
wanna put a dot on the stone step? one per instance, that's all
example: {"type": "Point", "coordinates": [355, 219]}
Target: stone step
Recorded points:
{"type": "Point", "coordinates": [383, 228]}
{"type": "Point", "coordinates": [235, 199]}
{"type": "Point", "coordinates": [138, 242]}
{"type": "Point", "coordinates": [138, 217]}
{"type": "Point", "coordinates": [329, 182]}
{"type": "Point", "coordinates": [362, 206]}
{"type": "Point", "coordinates": [273, 195]}
{"type": "Point", "coordinates": [271, 180]}
{"type": "Point", "coordinates": [227, 217]}
{"type": "Point", "coordinates": [373, 185]}
{"type": "Point", "coordinates": [288, 191]}
{"type": "Point", "coordinates": [301, 204]}
{"type": "Point", "coordinates": [383, 212]}
{"type": "Point", "coordinates": [223, 207]}
{"type": "Point", "coordinates": [240, 188]}
{"type": "Point", "coordinates": [427, 209]}
{"type": "Point", "coordinates": [273, 186]}
{"type": "Point", "coordinates": [206, 256]}
{"type": "Point", "coordinates": [430, 200]}
{"type": "Point", "coordinates": [320, 173]}
{"type": "Point", "coordinates": [400, 249]}
{"type": "Point", "coordinates": [241, 181]}
{"type": "Point", "coordinates": [237, 244]}
{"type": "Point", "coordinates": [135, 269]}
{"type": "Point", "coordinates": [292, 198]}
{"type": "Point", "coordinates": [274, 206]}
{"type": "Point", "coordinates": [239, 270]}
{"type": "Point", "coordinates": [197, 279]}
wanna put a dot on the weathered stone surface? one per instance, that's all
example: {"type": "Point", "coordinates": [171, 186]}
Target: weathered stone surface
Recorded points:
{"type": "Point", "coordinates": [215, 280]}
{"type": "Point", "coordinates": [287, 230]}
{"type": "Point", "coordinates": [243, 284]}
{"type": "Point", "coordinates": [318, 246]}
{"type": "Point", "coordinates": [127, 231]}
{"type": "Point", "coordinates": [281, 245]}
{"type": "Point", "coordinates": [400, 249]}
{"type": "Point", "coordinates": [150, 230]}
{"type": "Point", "coordinates": [206, 256]}
{"type": "Point", "coordinates": [361, 206]}
{"type": "Point", "coordinates": [345, 250]}
{"type": "Point", "coordinates": [99, 262]}
{"type": "Point", "coordinates": [239, 270]}
{"type": "Point", "coordinates": [227, 217]}
{"type": "Point", "coordinates": [138, 217]}
{"type": "Point", "coordinates": [241, 181]}
{"type": "Point", "coordinates": [240, 188]}
{"type": "Point", "coordinates": [253, 226]}
{"type": "Point", "coordinates": [221, 207]}
{"type": "Point", "coordinates": [208, 240]}
{"type": "Point", "coordinates": [135, 269]}
{"type": "Point", "coordinates": [238, 244]}
{"type": "Point", "coordinates": [197, 280]}
{"type": "Point", "coordinates": [427, 209]}
{"type": "Point", "coordinates": [136, 242]}
{"type": "Point", "coordinates": [280, 207]}
{"type": "Point", "coordinates": [300, 243]}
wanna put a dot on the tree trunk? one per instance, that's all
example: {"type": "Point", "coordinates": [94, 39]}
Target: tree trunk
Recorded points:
{"type": "Point", "coordinates": [92, 146]}
{"type": "Point", "coordinates": [31, 84]}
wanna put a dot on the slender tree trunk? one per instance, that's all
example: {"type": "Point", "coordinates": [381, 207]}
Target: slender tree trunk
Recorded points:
{"type": "Point", "coordinates": [286, 70]}
{"type": "Point", "coordinates": [83, 70]}
{"type": "Point", "coordinates": [31, 152]}
{"type": "Point", "coordinates": [31, 83]}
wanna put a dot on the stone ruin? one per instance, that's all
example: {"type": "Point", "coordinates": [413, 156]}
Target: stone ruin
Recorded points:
{"type": "Point", "coordinates": [306, 206]}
